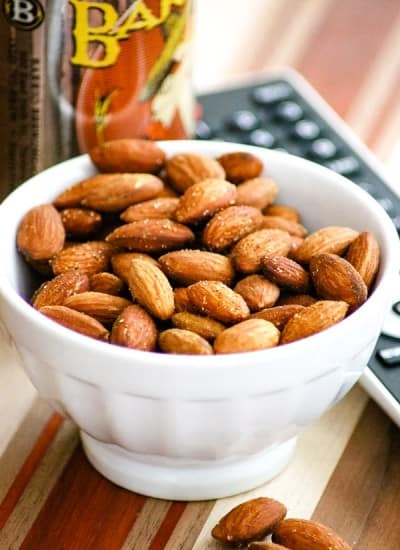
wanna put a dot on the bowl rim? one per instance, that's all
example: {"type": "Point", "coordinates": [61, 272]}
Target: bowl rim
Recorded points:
{"type": "Point", "coordinates": [312, 344]}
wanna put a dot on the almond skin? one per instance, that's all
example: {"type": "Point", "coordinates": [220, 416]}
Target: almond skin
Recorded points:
{"type": "Point", "coordinates": [257, 192]}
{"type": "Point", "coordinates": [80, 222]}
{"type": "Point", "coordinates": [334, 278]}
{"type": "Point", "coordinates": [91, 257]}
{"type": "Point", "coordinates": [216, 300]}
{"type": "Point", "coordinates": [41, 233]}
{"type": "Point", "coordinates": [282, 211]}
{"type": "Point", "coordinates": [230, 225]}
{"type": "Point", "coordinates": [107, 283]}
{"type": "Point", "coordinates": [151, 235]}
{"type": "Point", "coordinates": [103, 307]}
{"type": "Point", "coordinates": [278, 315]}
{"type": "Point", "coordinates": [250, 521]}
{"type": "Point", "coordinates": [176, 340]}
{"type": "Point", "coordinates": [331, 239]}
{"type": "Point", "coordinates": [303, 534]}
{"type": "Point", "coordinates": [258, 292]}
{"type": "Point", "coordinates": [276, 222]}
{"type": "Point", "coordinates": [162, 207]}
{"type": "Point", "coordinates": [286, 273]}
{"type": "Point", "coordinates": [261, 545]}
{"type": "Point", "coordinates": [186, 169]}
{"type": "Point", "coordinates": [151, 288]}
{"type": "Point", "coordinates": [182, 300]}
{"type": "Point", "coordinates": [72, 196]}
{"type": "Point", "coordinates": [298, 299]}
{"type": "Point", "coordinates": [250, 335]}
{"type": "Point", "coordinates": [204, 326]}
{"type": "Point", "coordinates": [57, 290]}
{"type": "Point", "coordinates": [189, 266]}
{"type": "Point", "coordinates": [77, 321]}
{"type": "Point", "coordinates": [121, 263]}
{"type": "Point", "coordinates": [313, 319]}
{"type": "Point", "coordinates": [203, 199]}
{"type": "Point", "coordinates": [249, 251]}
{"type": "Point", "coordinates": [364, 255]}
{"type": "Point", "coordinates": [134, 328]}
{"type": "Point", "coordinates": [240, 166]}
{"type": "Point", "coordinates": [128, 155]}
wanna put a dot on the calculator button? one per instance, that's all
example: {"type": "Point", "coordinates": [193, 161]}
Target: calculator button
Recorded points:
{"type": "Point", "coordinates": [344, 166]}
{"type": "Point", "coordinates": [389, 357]}
{"type": "Point", "coordinates": [271, 93]}
{"type": "Point", "coordinates": [203, 130]}
{"type": "Point", "coordinates": [261, 138]}
{"type": "Point", "coordinates": [396, 307]}
{"type": "Point", "coordinates": [289, 111]}
{"type": "Point", "coordinates": [368, 187]}
{"type": "Point", "coordinates": [307, 130]}
{"type": "Point", "coordinates": [391, 325]}
{"type": "Point", "coordinates": [323, 149]}
{"type": "Point", "coordinates": [245, 121]}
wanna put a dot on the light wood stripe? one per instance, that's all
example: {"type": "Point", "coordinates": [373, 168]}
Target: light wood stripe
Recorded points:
{"type": "Point", "coordinates": [167, 526]}
{"type": "Point", "coordinates": [146, 525]}
{"type": "Point", "coordinates": [189, 526]}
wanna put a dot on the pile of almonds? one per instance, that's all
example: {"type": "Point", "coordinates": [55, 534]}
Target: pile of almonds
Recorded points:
{"type": "Point", "coordinates": [189, 254]}
{"type": "Point", "coordinates": [254, 520]}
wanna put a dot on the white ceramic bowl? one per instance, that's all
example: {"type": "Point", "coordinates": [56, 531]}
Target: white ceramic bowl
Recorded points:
{"type": "Point", "coordinates": [197, 427]}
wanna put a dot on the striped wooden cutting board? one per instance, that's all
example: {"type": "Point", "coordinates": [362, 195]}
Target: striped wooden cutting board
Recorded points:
{"type": "Point", "coordinates": [346, 470]}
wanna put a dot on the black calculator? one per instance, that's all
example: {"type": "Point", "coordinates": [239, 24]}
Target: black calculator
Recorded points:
{"type": "Point", "coordinates": [284, 112]}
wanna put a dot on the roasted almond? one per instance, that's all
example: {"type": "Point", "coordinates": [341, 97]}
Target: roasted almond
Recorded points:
{"type": "Point", "coordinates": [41, 233]}
{"type": "Point", "coordinates": [204, 326]}
{"type": "Point", "coordinates": [230, 225]}
{"type": "Point", "coordinates": [80, 222]}
{"type": "Point", "coordinates": [258, 292]}
{"type": "Point", "coordinates": [134, 328]}
{"type": "Point", "coordinates": [331, 239]}
{"type": "Point", "coordinates": [278, 315]}
{"type": "Point", "coordinates": [128, 155]}
{"type": "Point", "coordinates": [185, 169]}
{"type": "Point", "coordinates": [151, 288]}
{"type": "Point", "coordinates": [216, 300]}
{"type": "Point", "coordinates": [189, 266]}
{"type": "Point", "coordinates": [304, 534]}
{"type": "Point", "coordinates": [298, 299]}
{"type": "Point", "coordinates": [364, 255]}
{"type": "Point", "coordinates": [250, 521]}
{"type": "Point", "coordinates": [151, 235]}
{"type": "Point", "coordinates": [240, 166]}
{"type": "Point", "coordinates": [75, 320]}
{"type": "Point", "coordinates": [121, 263]}
{"type": "Point", "coordinates": [249, 251]}
{"type": "Point", "coordinates": [282, 211]}
{"type": "Point", "coordinates": [334, 278]}
{"type": "Point", "coordinates": [107, 283]}
{"type": "Point", "coordinates": [163, 207]}
{"type": "Point", "coordinates": [203, 199]}
{"type": "Point", "coordinates": [257, 192]}
{"type": "Point", "coordinates": [103, 307]}
{"type": "Point", "coordinates": [286, 273]}
{"type": "Point", "coordinates": [72, 196]}
{"type": "Point", "coordinates": [276, 222]}
{"type": "Point", "coordinates": [176, 340]}
{"type": "Point", "coordinates": [312, 319]}
{"type": "Point", "coordinates": [57, 290]}
{"type": "Point", "coordinates": [182, 300]}
{"type": "Point", "coordinates": [91, 257]}
{"type": "Point", "coordinates": [263, 545]}
{"type": "Point", "coordinates": [250, 335]}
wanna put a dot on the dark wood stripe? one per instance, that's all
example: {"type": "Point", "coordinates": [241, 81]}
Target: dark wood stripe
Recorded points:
{"type": "Point", "coordinates": [29, 467]}
{"type": "Point", "coordinates": [84, 511]}
{"type": "Point", "coordinates": [340, 54]}
{"type": "Point", "coordinates": [169, 523]}
{"type": "Point", "coordinates": [190, 525]}
{"type": "Point", "coordinates": [366, 485]}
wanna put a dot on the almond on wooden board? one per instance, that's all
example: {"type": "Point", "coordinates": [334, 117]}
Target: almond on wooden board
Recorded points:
{"type": "Point", "coordinates": [216, 300]}
{"type": "Point", "coordinates": [75, 320]}
{"type": "Point", "coordinates": [264, 545]}
{"type": "Point", "coordinates": [185, 169]}
{"type": "Point", "coordinates": [331, 239]}
{"type": "Point", "coordinates": [250, 335]}
{"type": "Point", "coordinates": [134, 328]}
{"type": "Point", "coordinates": [201, 200]}
{"type": "Point", "coordinates": [249, 251]}
{"type": "Point", "coordinates": [90, 257]}
{"type": "Point", "coordinates": [103, 307]}
{"type": "Point", "coordinates": [128, 155]}
{"type": "Point", "coordinates": [286, 273]}
{"type": "Point", "coordinates": [257, 291]}
{"type": "Point", "coordinates": [161, 207]}
{"type": "Point", "coordinates": [180, 341]}
{"type": "Point", "coordinates": [149, 235]}
{"type": "Point", "coordinates": [189, 266]}
{"type": "Point", "coordinates": [240, 166]}
{"type": "Point", "coordinates": [334, 278]}
{"type": "Point", "coordinates": [121, 263]}
{"type": "Point", "coordinates": [230, 225]}
{"type": "Point", "coordinates": [278, 315]}
{"type": "Point", "coordinates": [41, 234]}
{"type": "Point", "coordinates": [364, 256]}
{"type": "Point", "coordinates": [55, 291]}
{"type": "Point", "coordinates": [283, 211]}
{"type": "Point", "coordinates": [257, 192]}
{"type": "Point", "coordinates": [312, 319]}
{"type": "Point", "coordinates": [204, 326]}
{"type": "Point", "coordinates": [303, 534]}
{"type": "Point", "coordinates": [80, 222]}
{"type": "Point", "coordinates": [107, 283]}
{"type": "Point", "coordinates": [249, 521]}
{"type": "Point", "coordinates": [151, 288]}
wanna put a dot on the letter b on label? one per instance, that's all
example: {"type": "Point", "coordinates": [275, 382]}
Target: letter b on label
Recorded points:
{"type": "Point", "coordinates": [25, 15]}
